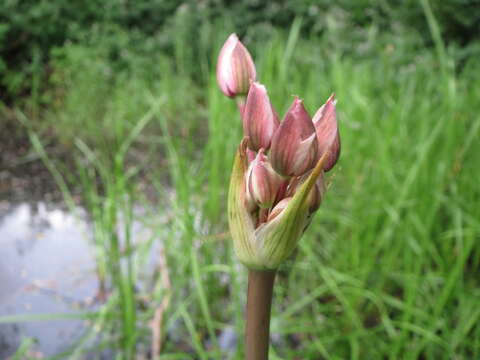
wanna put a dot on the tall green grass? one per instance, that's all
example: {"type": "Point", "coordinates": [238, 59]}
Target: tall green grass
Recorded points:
{"type": "Point", "coordinates": [389, 267]}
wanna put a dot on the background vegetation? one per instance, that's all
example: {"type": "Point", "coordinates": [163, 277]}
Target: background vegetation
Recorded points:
{"type": "Point", "coordinates": [119, 101]}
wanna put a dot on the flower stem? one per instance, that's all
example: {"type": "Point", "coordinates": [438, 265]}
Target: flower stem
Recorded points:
{"type": "Point", "coordinates": [259, 301]}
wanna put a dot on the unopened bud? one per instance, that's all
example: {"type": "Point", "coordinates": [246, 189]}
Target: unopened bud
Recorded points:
{"type": "Point", "coordinates": [259, 118]}
{"type": "Point", "coordinates": [316, 193]}
{"type": "Point", "coordinates": [328, 136]}
{"type": "Point", "coordinates": [250, 153]}
{"type": "Point", "coordinates": [235, 68]}
{"type": "Point", "coordinates": [250, 203]}
{"type": "Point", "coordinates": [262, 181]}
{"type": "Point", "coordinates": [294, 145]}
{"type": "Point", "coordinates": [278, 208]}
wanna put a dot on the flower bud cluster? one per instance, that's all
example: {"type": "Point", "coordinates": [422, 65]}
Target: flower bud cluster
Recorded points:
{"type": "Point", "coordinates": [279, 170]}
{"type": "Point", "coordinates": [286, 152]}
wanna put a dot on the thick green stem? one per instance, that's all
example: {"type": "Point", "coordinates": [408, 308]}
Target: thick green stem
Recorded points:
{"type": "Point", "coordinates": [259, 301]}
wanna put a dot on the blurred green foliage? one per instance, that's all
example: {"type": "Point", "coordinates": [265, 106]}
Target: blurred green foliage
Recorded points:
{"type": "Point", "coordinates": [30, 30]}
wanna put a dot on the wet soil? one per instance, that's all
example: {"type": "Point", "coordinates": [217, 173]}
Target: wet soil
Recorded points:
{"type": "Point", "coordinates": [23, 176]}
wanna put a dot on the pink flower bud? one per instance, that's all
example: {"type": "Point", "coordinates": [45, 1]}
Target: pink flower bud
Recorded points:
{"type": "Point", "coordinates": [250, 203]}
{"type": "Point", "coordinates": [235, 68]}
{"type": "Point", "coordinates": [251, 155]}
{"type": "Point", "coordinates": [316, 193]}
{"type": "Point", "coordinates": [278, 208]}
{"type": "Point", "coordinates": [325, 121]}
{"type": "Point", "coordinates": [259, 118]}
{"type": "Point", "coordinates": [294, 144]}
{"type": "Point", "coordinates": [262, 181]}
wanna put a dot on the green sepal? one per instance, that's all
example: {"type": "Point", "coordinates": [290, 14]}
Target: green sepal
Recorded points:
{"type": "Point", "coordinates": [271, 243]}
{"type": "Point", "coordinates": [239, 220]}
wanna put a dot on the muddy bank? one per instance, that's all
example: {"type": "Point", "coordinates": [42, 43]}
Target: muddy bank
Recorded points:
{"type": "Point", "coordinates": [23, 176]}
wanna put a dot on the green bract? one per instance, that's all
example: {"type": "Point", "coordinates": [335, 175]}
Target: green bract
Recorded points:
{"type": "Point", "coordinates": [267, 246]}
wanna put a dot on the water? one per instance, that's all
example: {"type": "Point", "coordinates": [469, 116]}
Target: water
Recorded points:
{"type": "Point", "coordinates": [47, 266]}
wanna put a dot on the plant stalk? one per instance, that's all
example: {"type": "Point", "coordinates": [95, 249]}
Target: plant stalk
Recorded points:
{"type": "Point", "coordinates": [259, 301]}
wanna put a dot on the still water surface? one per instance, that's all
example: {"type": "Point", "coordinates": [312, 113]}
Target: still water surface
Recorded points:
{"type": "Point", "coordinates": [47, 266]}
